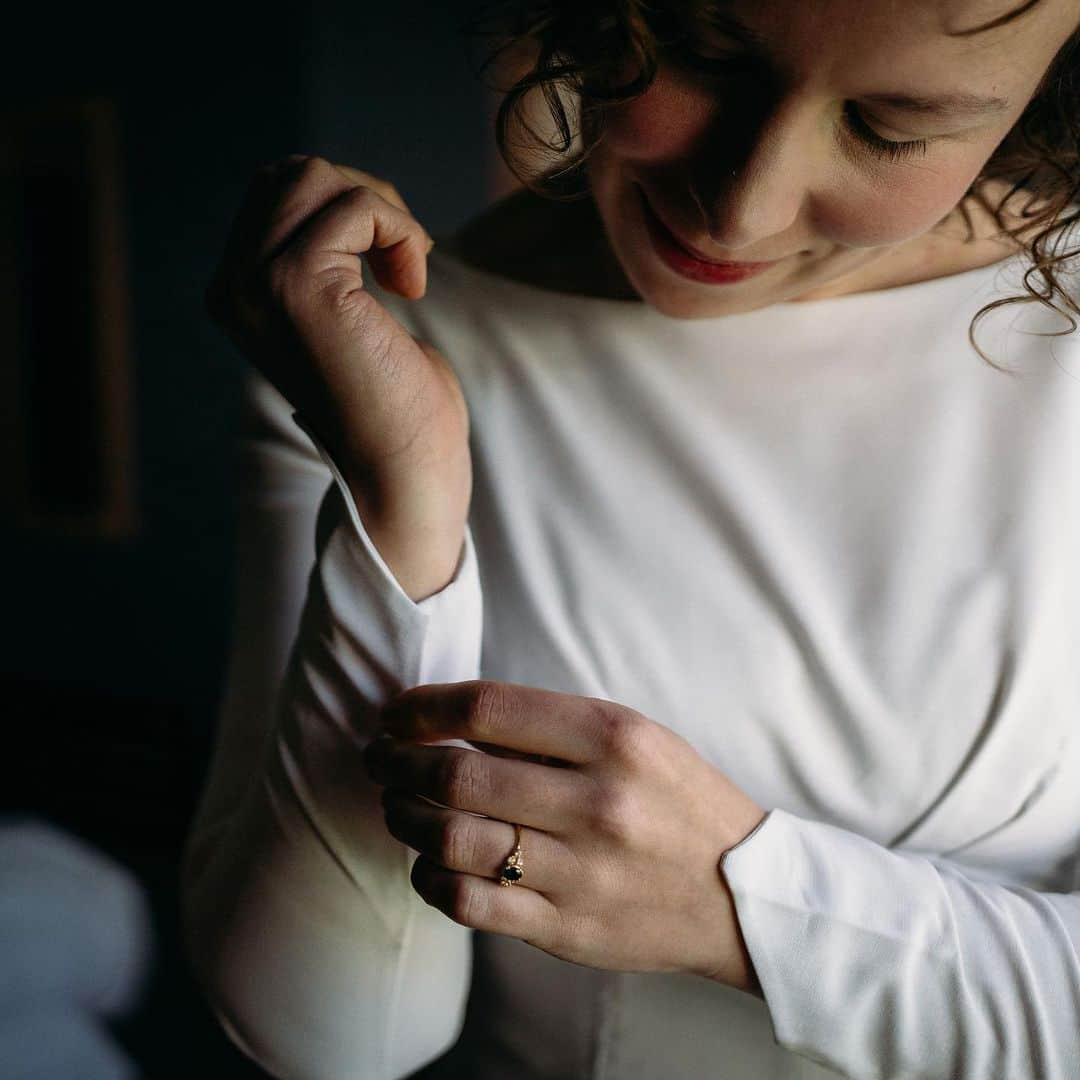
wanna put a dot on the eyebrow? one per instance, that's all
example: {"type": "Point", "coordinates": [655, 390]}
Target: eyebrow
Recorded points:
{"type": "Point", "coordinates": [956, 103]}
{"type": "Point", "coordinates": [951, 103]}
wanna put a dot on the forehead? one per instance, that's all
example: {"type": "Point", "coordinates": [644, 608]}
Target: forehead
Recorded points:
{"type": "Point", "coordinates": [842, 37]}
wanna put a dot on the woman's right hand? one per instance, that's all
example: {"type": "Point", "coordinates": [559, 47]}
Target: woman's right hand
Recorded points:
{"type": "Point", "coordinates": [388, 407]}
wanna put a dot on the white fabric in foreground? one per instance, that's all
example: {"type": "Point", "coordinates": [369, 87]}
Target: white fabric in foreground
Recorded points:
{"type": "Point", "coordinates": [825, 543]}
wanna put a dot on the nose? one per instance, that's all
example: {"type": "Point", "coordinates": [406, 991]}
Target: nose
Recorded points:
{"type": "Point", "coordinates": [752, 179]}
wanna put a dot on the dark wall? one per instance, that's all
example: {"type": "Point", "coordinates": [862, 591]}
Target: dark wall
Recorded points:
{"type": "Point", "coordinates": [113, 650]}
{"type": "Point", "coordinates": [205, 94]}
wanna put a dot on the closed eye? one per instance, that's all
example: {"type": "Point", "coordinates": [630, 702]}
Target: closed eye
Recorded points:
{"type": "Point", "coordinates": [878, 144]}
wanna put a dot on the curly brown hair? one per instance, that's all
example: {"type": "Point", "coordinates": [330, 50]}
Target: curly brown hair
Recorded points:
{"type": "Point", "coordinates": [583, 46]}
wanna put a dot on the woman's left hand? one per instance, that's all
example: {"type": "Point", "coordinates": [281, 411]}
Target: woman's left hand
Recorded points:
{"type": "Point", "coordinates": [621, 834]}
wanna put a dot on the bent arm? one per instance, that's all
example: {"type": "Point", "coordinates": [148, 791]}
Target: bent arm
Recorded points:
{"type": "Point", "coordinates": [315, 952]}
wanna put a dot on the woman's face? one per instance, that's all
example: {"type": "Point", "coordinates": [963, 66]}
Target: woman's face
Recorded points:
{"type": "Point", "coordinates": [793, 153]}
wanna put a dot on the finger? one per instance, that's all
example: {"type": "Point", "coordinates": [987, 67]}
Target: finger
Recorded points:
{"type": "Point", "coordinates": [385, 189]}
{"type": "Point", "coordinates": [312, 183]}
{"type": "Point", "coordinates": [301, 191]}
{"type": "Point", "coordinates": [254, 222]}
{"type": "Point", "coordinates": [264, 192]}
{"type": "Point", "coordinates": [504, 788]}
{"type": "Point", "coordinates": [471, 844]}
{"type": "Point", "coordinates": [485, 905]}
{"type": "Point", "coordinates": [360, 221]}
{"type": "Point", "coordinates": [530, 719]}
{"type": "Point", "coordinates": [359, 178]}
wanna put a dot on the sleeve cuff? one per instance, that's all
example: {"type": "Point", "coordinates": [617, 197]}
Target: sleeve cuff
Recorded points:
{"type": "Point", "coordinates": [435, 640]}
{"type": "Point", "coordinates": [831, 919]}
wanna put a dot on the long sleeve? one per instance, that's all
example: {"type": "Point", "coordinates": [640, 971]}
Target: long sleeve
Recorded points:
{"type": "Point", "coordinates": [882, 963]}
{"type": "Point", "coordinates": [315, 952]}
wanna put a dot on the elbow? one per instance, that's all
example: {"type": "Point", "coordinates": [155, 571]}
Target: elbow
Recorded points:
{"type": "Point", "coordinates": [208, 896]}
{"type": "Point", "coordinates": [261, 963]}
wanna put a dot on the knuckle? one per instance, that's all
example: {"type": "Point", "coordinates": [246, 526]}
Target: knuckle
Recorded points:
{"type": "Point", "coordinates": [361, 199]}
{"type": "Point", "coordinates": [379, 184]}
{"type": "Point", "coordinates": [465, 902]}
{"type": "Point", "coordinates": [620, 731]}
{"type": "Point", "coordinates": [313, 166]}
{"type": "Point", "coordinates": [289, 177]}
{"type": "Point", "coordinates": [457, 844]}
{"type": "Point", "coordinates": [487, 707]}
{"type": "Point", "coordinates": [458, 779]}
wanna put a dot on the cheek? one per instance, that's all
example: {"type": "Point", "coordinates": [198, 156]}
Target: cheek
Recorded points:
{"type": "Point", "coordinates": [855, 205]}
{"type": "Point", "coordinates": [900, 202]}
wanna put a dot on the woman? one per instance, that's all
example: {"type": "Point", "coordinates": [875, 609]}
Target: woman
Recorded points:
{"type": "Point", "coordinates": [747, 574]}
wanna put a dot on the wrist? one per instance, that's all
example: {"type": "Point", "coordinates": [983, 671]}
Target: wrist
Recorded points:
{"type": "Point", "coordinates": [738, 972]}
{"type": "Point", "coordinates": [418, 530]}
{"type": "Point", "coordinates": [423, 558]}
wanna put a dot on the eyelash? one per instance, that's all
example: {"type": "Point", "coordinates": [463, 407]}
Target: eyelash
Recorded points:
{"type": "Point", "coordinates": [869, 139]}
{"type": "Point", "coordinates": [886, 148]}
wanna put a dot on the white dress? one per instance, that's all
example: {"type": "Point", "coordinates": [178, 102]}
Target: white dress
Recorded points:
{"type": "Point", "coordinates": [828, 545]}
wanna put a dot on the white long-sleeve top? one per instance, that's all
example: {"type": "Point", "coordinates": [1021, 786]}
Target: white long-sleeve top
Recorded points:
{"type": "Point", "coordinates": [823, 541]}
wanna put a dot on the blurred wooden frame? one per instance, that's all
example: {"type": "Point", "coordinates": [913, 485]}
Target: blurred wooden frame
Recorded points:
{"type": "Point", "coordinates": [65, 384]}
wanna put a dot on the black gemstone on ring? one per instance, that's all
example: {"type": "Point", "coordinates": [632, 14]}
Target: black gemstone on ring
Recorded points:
{"type": "Point", "coordinates": [511, 873]}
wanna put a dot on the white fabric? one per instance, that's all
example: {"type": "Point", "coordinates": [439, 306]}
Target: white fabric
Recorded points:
{"type": "Point", "coordinates": [827, 544]}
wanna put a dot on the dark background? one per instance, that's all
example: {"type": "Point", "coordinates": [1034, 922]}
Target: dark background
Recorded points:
{"type": "Point", "coordinates": [114, 649]}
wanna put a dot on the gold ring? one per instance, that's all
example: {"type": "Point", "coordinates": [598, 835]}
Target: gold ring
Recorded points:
{"type": "Point", "coordinates": [513, 869]}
